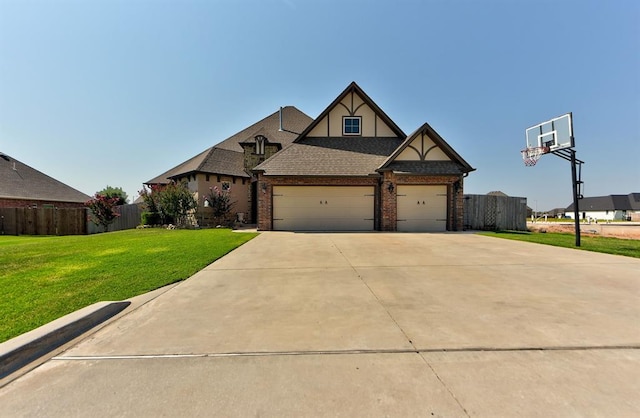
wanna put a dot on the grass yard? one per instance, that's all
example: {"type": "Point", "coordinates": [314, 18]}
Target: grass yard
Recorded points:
{"type": "Point", "coordinates": [626, 247]}
{"type": "Point", "coordinates": [44, 278]}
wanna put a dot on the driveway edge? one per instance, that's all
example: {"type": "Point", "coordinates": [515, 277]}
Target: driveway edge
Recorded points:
{"type": "Point", "coordinates": [23, 349]}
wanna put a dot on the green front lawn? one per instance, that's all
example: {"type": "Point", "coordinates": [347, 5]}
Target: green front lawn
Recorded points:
{"type": "Point", "coordinates": [626, 247]}
{"type": "Point", "coordinates": [44, 278]}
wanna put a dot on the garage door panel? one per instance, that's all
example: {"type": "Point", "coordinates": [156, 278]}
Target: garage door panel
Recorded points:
{"type": "Point", "coordinates": [422, 208]}
{"type": "Point", "coordinates": [323, 208]}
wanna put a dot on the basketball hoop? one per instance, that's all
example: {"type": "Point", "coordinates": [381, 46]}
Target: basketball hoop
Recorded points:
{"type": "Point", "coordinates": [531, 155]}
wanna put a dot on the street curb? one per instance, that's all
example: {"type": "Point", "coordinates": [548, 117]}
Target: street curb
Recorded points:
{"type": "Point", "coordinates": [24, 349]}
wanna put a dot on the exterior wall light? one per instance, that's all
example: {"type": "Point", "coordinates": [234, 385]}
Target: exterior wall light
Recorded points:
{"type": "Point", "coordinates": [390, 187]}
{"type": "Point", "coordinates": [263, 187]}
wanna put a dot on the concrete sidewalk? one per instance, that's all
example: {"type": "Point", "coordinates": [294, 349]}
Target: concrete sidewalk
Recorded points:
{"type": "Point", "coordinates": [365, 324]}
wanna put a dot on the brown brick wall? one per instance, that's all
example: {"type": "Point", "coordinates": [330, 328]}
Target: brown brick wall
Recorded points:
{"type": "Point", "coordinates": [29, 203]}
{"type": "Point", "coordinates": [386, 202]}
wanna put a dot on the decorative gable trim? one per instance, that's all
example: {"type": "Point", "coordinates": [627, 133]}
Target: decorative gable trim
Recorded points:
{"type": "Point", "coordinates": [422, 132]}
{"type": "Point", "coordinates": [353, 88]}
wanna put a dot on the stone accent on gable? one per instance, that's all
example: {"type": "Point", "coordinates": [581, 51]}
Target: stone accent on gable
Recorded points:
{"type": "Point", "coordinates": [251, 159]}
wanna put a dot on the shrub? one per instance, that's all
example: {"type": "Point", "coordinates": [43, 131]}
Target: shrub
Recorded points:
{"type": "Point", "coordinates": [221, 205]}
{"type": "Point", "coordinates": [150, 218]}
{"type": "Point", "coordinates": [172, 202]}
{"type": "Point", "coordinates": [103, 210]}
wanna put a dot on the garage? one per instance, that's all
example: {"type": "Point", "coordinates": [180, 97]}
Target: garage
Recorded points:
{"type": "Point", "coordinates": [422, 208]}
{"type": "Point", "coordinates": [323, 208]}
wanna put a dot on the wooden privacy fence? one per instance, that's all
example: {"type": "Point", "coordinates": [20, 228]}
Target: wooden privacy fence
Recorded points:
{"type": "Point", "coordinates": [489, 212]}
{"type": "Point", "coordinates": [129, 218]}
{"type": "Point", "coordinates": [62, 221]}
{"type": "Point", "coordinates": [43, 221]}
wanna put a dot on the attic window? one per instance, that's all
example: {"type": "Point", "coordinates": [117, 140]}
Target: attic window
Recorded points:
{"type": "Point", "coordinates": [351, 125]}
{"type": "Point", "coordinates": [260, 144]}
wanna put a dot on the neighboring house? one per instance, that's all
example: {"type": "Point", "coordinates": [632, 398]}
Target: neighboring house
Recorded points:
{"type": "Point", "coordinates": [556, 213]}
{"type": "Point", "coordinates": [22, 186]}
{"type": "Point", "coordinates": [353, 168]}
{"type": "Point", "coordinates": [228, 164]}
{"type": "Point", "coordinates": [608, 208]}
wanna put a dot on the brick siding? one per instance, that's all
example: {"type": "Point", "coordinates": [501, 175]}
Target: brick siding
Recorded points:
{"type": "Point", "coordinates": [385, 201]}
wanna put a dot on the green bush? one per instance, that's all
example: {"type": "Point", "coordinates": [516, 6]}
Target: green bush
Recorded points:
{"type": "Point", "coordinates": [150, 218]}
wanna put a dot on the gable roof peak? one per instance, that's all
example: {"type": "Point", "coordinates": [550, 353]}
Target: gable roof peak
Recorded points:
{"type": "Point", "coordinates": [354, 87]}
{"type": "Point", "coordinates": [438, 140]}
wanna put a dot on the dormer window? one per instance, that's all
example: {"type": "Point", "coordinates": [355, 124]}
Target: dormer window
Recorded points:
{"type": "Point", "coordinates": [260, 140]}
{"type": "Point", "coordinates": [351, 125]}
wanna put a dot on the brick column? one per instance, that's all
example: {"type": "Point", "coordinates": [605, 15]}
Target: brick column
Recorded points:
{"type": "Point", "coordinates": [264, 203]}
{"type": "Point", "coordinates": [388, 203]}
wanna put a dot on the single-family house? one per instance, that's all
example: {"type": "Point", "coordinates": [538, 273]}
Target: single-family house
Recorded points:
{"type": "Point", "coordinates": [352, 168]}
{"type": "Point", "coordinates": [607, 208]}
{"type": "Point", "coordinates": [22, 186]}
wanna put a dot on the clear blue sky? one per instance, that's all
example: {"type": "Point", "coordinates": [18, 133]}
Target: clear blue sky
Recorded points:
{"type": "Point", "coordinates": [97, 93]}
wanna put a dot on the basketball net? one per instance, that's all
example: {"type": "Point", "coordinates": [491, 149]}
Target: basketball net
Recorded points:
{"type": "Point", "coordinates": [531, 155]}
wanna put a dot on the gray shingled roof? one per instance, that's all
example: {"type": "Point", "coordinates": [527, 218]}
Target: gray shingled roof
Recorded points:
{"type": "Point", "coordinates": [293, 123]}
{"type": "Point", "coordinates": [610, 202]}
{"type": "Point", "coordinates": [19, 181]}
{"type": "Point", "coordinates": [426, 167]}
{"type": "Point", "coordinates": [227, 157]}
{"type": "Point", "coordinates": [330, 157]}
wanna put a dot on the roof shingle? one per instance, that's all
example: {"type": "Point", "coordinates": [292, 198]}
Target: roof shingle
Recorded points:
{"type": "Point", "coordinates": [227, 157]}
{"type": "Point", "coordinates": [330, 157]}
{"type": "Point", "coordinates": [19, 181]}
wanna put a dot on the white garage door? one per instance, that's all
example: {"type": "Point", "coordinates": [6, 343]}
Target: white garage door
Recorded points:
{"type": "Point", "coordinates": [323, 208]}
{"type": "Point", "coordinates": [422, 208]}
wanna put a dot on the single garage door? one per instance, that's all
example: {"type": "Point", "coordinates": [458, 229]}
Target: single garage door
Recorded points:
{"type": "Point", "coordinates": [323, 208]}
{"type": "Point", "coordinates": [422, 208]}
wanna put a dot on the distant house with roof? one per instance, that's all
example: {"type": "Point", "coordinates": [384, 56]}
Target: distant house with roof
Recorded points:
{"type": "Point", "coordinates": [24, 186]}
{"type": "Point", "coordinates": [608, 208]}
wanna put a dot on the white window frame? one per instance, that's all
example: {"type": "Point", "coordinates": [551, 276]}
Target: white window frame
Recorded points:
{"type": "Point", "coordinates": [260, 140]}
{"type": "Point", "coordinates": [344, 125]}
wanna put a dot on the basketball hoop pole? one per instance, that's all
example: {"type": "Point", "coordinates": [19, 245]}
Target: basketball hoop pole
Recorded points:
{"type": "Point", "coordinates": [576, 185]}
{"type": "Point", "coordinates": [555, 136]}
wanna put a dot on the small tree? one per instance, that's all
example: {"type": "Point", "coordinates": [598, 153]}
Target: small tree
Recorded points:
{"type": "Point", "coordinates": [103, 210]}
{"type": "Point", "coordinates": [176, 202]}
{"type": "Point", "coordinates": [221, 204]}
{"type": "Point", "coordinates": [151, 214]}
{"type": "Point", "coordinates": [115, 192]}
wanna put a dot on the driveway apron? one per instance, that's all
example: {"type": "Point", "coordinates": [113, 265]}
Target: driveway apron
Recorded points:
{"type": "Point", "coordinates": [364, 324]}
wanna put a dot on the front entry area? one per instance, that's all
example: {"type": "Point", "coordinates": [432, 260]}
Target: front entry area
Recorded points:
{"type": "Point", "coordinates": [323, 208]}
{"type": "Point", "coordinates": [422, 208]}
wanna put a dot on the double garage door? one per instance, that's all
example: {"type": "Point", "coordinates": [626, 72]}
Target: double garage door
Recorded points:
{"type": "Point", "coordinates": [351, 208]}
{"type": "Point", "coordinates": [323, 208]}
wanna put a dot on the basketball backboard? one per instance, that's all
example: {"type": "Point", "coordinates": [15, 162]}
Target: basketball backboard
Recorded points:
{"type": "Point", "coordinates": [554, 134]}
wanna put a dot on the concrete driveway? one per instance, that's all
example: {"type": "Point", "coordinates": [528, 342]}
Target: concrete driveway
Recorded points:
{"type": "Point", "coordinates": [369, 324]}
